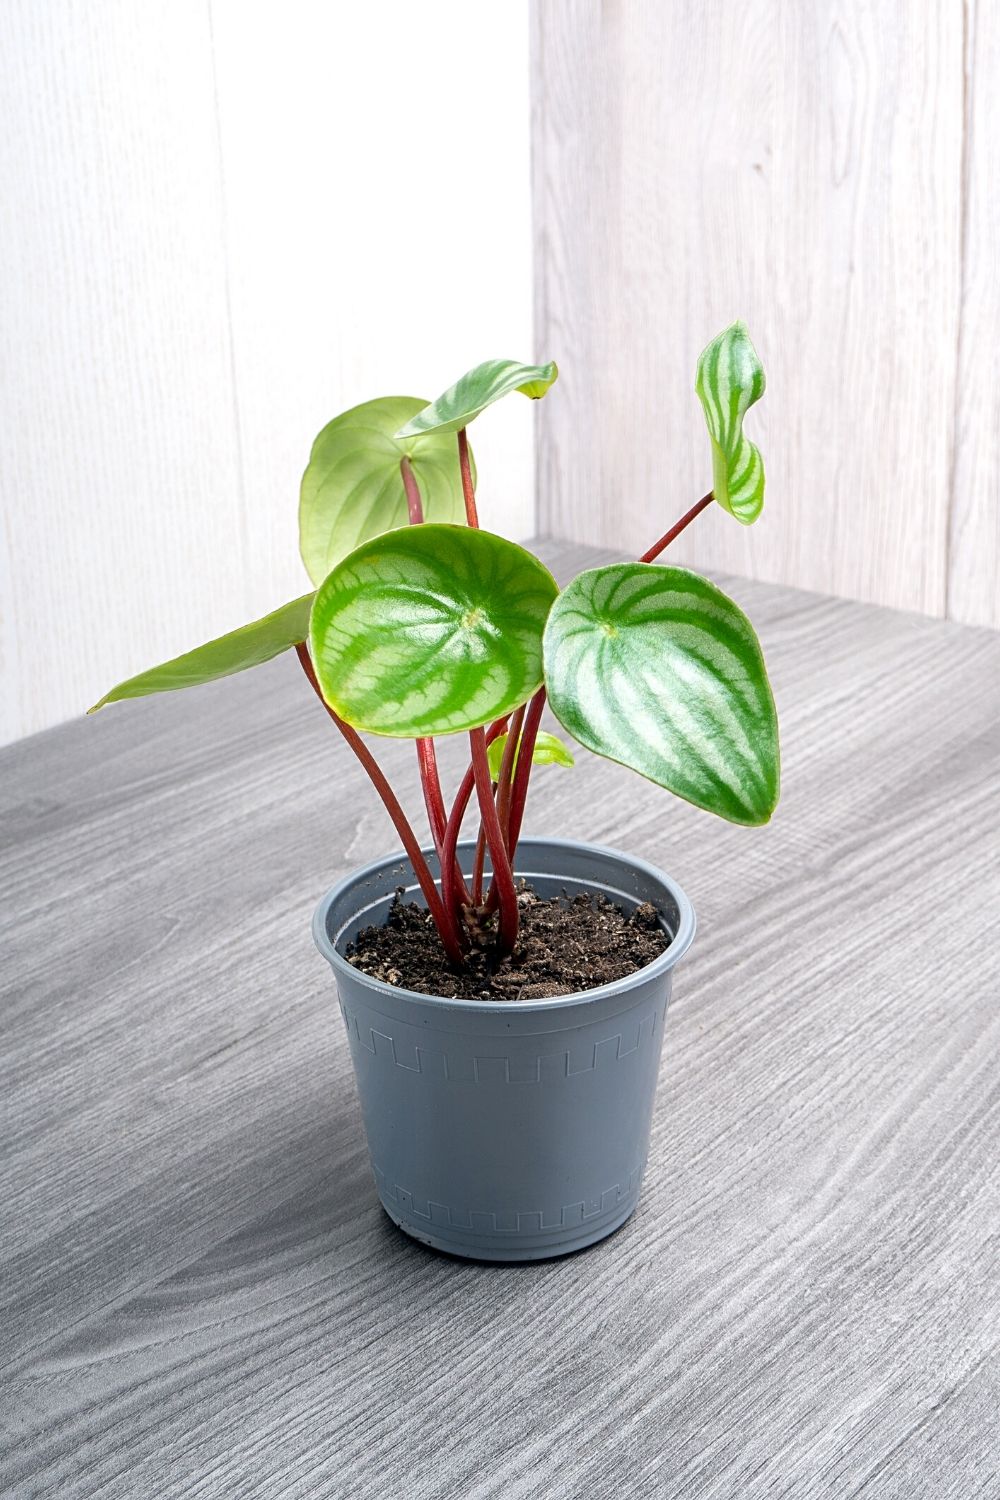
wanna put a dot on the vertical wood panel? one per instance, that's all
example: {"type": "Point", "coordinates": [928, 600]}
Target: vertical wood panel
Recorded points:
{"type": "Point", "coordinates": [378, 205]}
{"type": "Point", "coordinates": [799, 166]}
{"type": "Point", "coordinates": [223, 223]}
{"type": "Point", "coordinates": [974, 577]}
{"type": "Point", "coordinates": [118, 470]}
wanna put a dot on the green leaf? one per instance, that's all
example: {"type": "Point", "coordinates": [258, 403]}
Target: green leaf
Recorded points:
{"type": "Point", "coordinates": [477, 390]}
{"type": "Point", "coordinates": [352, 488]}
{"type": "Point", "coordinates": [730, 379]}
{"type": "Point", "coordinates": [430, 630]}
{"type": "Point", "coordinates": [656, 668]}
{"type": "Point", "coordinates": [549, 751]}
{"type": "Point", "coordinates": [246, 647]}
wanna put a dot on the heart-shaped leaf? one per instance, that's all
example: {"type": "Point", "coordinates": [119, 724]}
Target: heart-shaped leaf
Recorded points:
{"type": "Point", "coordinates": [430, 630]}
{"type": "Point", "coordinates": [246, 647]}
{"type": "Point", "coordinates": [549, 750]}
{"type": "Point", "coordinates": [656, 668]}
{"type": "Point", "coordinates": [730, 379]}
{"type": "Point", "coordinates": [477, 390]}
{"type": "Point", "coordinates": [353, 489]}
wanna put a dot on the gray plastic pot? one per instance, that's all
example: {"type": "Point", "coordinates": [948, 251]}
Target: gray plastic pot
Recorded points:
{"type": "Point", "coordinates": [508, 1130]}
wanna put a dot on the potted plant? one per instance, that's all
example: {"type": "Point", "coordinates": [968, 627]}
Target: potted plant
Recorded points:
{"type": "Point", "coordinates": [505, 997]}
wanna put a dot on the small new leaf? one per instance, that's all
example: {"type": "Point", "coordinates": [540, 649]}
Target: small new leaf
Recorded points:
{"type": "Point", "coordinates": [729, 380]}
{"type": "Point", "coordinates": [353, 489]}
{"type": "Point", "coordinates": [430, 630]}
{"type": "Point", "coordinates": [241, 649]}
{"type": "Point", "coordinates": [549, 751]}
{"type": "Point", "coordinates": [477, 390]}
{"type": "Point", "coordinates": [657, 669]}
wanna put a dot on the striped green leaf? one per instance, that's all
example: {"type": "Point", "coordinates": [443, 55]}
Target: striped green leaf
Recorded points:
{"type": "Point", "coordinates": [549, 750]}
{"type": "Point", "coordinates": [430, 630]}
{"type": "Point", "coordinates": [241, 649]}
{"type": "Point", "coordinates": [730, 379]}
{"type": "Point", "coordinates": [352, 488]}
{"type": "Point", "coordinates": [656, 668]}
{"type": "Point", "coordinates": [477, 390]}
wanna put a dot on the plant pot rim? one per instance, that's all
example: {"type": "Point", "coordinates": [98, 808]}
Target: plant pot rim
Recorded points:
{"type": "Point", "coordinates": [679, 945]}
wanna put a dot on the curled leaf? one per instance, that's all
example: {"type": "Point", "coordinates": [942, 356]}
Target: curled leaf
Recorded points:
{"type": "Point", "coordinates": [729, 380]}
{"type": "Point", "coordinates": [477, 390]}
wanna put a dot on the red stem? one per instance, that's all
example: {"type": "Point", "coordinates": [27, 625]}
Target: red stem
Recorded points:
{"type": "Point", "coordinates": [501, 793]}
{"type": "Point", "coordinates": [519, 796]}
{"type": "Point", "coordinates": [506, 776]}
{"type": "Point", "coordinates": [444, 919]}
{"type": "Point", "coordinates": [414, 504]}
{"type": "Point", "coordinates": [675, 530]}
{"type": "Point", "coordinates": [505, 791]}
{"type": "Point", "coordinates": [503, 878]}
{"type": "Point", "coordinates": [430, 781]}
{"type": "Point", "coordinates": [449, 857]}
{"type": "Point", "coordinates": [478, 865]}
{"type": "Point", "coordinates": [471, 514]}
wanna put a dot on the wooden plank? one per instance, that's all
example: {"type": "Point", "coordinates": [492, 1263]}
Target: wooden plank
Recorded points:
{"type": "Point", "coordinates": [198, 1293]}
{"type": "Point", "coordinates": [797, 166]}
{"type": "Point", "coordinates": [974, 574]}
{"type": "Point", "coordinates": [118, 469]}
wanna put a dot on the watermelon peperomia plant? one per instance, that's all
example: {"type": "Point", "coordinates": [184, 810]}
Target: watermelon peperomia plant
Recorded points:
{"type": "Point", "coordinates": [423, 625]}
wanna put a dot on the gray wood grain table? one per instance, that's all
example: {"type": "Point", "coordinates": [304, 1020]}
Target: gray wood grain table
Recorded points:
{"type": "Point", "coordinates": [200, 1295]}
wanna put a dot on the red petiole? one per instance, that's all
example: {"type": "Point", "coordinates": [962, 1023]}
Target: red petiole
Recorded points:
{"type": "Point", "coordinates": [444, 919]}
{"type": "Point", "coordinates": [449, 890]}
{"type": "Point", "coordinates": [675, 530]}
{"type": "Point", "coordinates": [503, 875]}
{"type": "Point", "coordinates": [414, 504]}
{"type": "Point", "coordinates": [506, 776]}
{"type": "Point", "coordinates": [479, 866]}
{"type": "Point", "coordinates": [471, 514]}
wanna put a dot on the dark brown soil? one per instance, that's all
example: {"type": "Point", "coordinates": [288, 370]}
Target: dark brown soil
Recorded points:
{"type": "Point", "coordinates": [564, 946]}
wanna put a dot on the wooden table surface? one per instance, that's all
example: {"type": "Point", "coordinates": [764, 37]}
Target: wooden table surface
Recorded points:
{"type": "Point", "coordinates": [199, 1294]}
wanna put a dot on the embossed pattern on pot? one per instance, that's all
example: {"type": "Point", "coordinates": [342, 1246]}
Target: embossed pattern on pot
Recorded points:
{"type": "Point", "coordinates": [507, 1068]}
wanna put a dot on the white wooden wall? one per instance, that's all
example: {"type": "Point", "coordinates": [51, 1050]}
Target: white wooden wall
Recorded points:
{"type": "Point", "coordinates": [222, 222]}
{"type": "Point", "coordinates": [829, 172]}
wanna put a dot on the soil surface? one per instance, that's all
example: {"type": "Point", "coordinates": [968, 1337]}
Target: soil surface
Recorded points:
{"type": "Point", "coordinates": [563, 946]}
